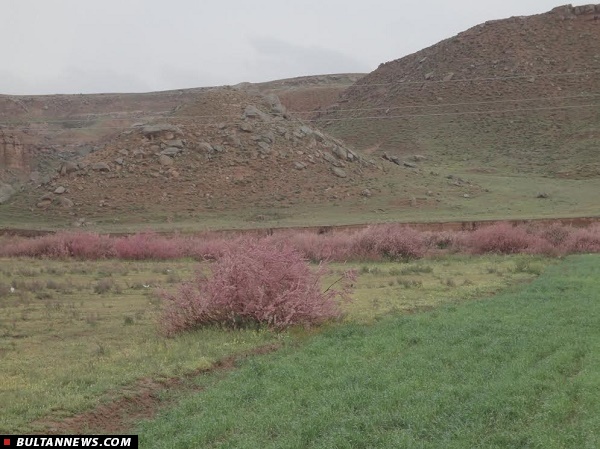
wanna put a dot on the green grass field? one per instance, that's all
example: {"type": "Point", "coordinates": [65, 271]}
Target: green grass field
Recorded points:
{"type": "Point", "coordinates": [77, 334]}
{"type": "Point", "coordinates": [517, 370]}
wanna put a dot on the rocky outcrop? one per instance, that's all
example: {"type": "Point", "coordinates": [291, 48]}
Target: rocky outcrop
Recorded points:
{"type": "Point", "coordinates": [13, 155]}
{"type": "Point", "coordinates": [570, 11]}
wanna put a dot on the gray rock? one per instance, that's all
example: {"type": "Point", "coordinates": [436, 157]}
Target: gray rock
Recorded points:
{"type": "Point", "coordinates": [171, 151]}
{"type": "Point", "coordinates": [205, 146]}
{"type": "Point", "coordinates": [264, 147]}
{"type": "Point", "coordinates": [339, 172]}
{"type": "Point", "coordinates": [429, 75]}
{"type": "Point", "coordinates": [543, 195]}
{"type": "Point", "coordinates": [331, 159]}
{"type": "Point", "coordinates": [119, 161]}
{"type": "Point", "coordinates": [419, 157]}
{"type": "Point", "coordinates": [319, 137]}
{"type": "Point", "coordinates": [449, 76]}
{"type": "Point", "coordinates": [307, 131]}
{"type": "Point", "coordinates": [65, 202]}
{"type": "Point", "coordinates": [6, 192]}
{"type": "Point", "coordinates": [157, 130]}
{"type": "Point", "coordinates": [409, 164]}
{"type": "Point", "coordinates": [253, 112]}
{"type": "Point", "coordinates": [395, 160]}
{"type": "Point", "coordinates": [246, 127]}
{"type": "Point", "coordinates": [340, 153]}
{"type": "Point", "coordinates": [100, 166]}
{"type": "Point", "coordinates": [299, 165]}
{"type": "Point", "coordinates": [68, 167]}
{"type": "Point", "coordinates": [268, 137]}
{"type": "Point", "coordinates": [60, 190]}
{"type": "Point", "coordinates": [366, 193]}
{"type": "Point", "coordinates": [178, 143]}
{"type": "Point", "coordinates": [165, 160]}
{"type": "Point", "coordinates": [275, 104]}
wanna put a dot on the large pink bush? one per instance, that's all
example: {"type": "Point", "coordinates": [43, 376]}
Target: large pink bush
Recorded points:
{"type": "Point", "coordinates": [255, 283]}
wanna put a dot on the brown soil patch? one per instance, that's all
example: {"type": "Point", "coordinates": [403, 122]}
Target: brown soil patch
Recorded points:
{"type": "Point", "coordinates": [141, 401]}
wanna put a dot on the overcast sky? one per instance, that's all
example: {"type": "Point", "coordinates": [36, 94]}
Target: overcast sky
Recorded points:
{"type": "Point", "coordinates": [84, 46]}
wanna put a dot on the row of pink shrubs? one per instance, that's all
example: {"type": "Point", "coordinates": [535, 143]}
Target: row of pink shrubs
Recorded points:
{"type": "Point", "coordinates": [376, 242]}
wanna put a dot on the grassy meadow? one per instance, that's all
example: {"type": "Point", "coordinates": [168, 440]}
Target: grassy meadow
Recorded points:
{"type": "Point", "coordinates": [518, 369]}
{"type": "Point", "coordinates": [76, 334]}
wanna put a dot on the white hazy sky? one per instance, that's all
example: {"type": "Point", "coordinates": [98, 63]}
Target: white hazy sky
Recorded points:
{"type": "Point", "coordinates": [85, 46]}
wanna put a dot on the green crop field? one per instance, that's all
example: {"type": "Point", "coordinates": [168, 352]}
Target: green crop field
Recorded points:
{"type": "Point", "coordinates": [519, 369]}
{"type": "Point", "coordinates": [76, 334]}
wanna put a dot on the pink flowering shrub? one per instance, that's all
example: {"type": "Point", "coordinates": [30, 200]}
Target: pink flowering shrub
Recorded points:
{"type": "Point", "coordinates": [502, 238]}
{"type": "Point", "coordinates": [334, 246]}
{"type": "Point", "coordinates": [252, 284]}
{"type": "Point", "coordinates": [583, 240]}
{"type": "Point", "coordinates": [89, 246]}
{"type": "Point", "coordinates": [390, 241]}
{"type": "Point", "coordinates": [148, 246]}
{"type": "Point", "coordinates": [51, 245]}
{"type": "Point", "coordinates": [556, 234]}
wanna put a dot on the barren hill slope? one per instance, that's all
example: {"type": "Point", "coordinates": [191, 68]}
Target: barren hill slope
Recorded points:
{"type": "Point", "coordinates": [516, 94]}
{"type": "Point", "coordinates": [228, 150]}
{"type": "Point", "coordinates": [309, 93]}
{"type": "Point", "coordinates": [62, 126]}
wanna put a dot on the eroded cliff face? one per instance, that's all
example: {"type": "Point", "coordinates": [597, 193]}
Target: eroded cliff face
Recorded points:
{"type": "Point", "coordinates": [14, 157]}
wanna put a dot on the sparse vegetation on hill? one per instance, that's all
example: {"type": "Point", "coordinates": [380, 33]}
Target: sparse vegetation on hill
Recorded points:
{"type": "Point", "coordinates": [518, 94]}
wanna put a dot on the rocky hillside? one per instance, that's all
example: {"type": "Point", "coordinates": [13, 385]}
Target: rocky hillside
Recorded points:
{"type": "Point", "coordinates": [50, 129]}
{"type": "Point", "coordinates": [518, 94]}
{"type": "Point", "coordinates": [228, 150]}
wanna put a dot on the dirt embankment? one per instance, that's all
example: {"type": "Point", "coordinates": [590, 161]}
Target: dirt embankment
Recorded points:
{"type": "Point", "coordinates": [472, 225]}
